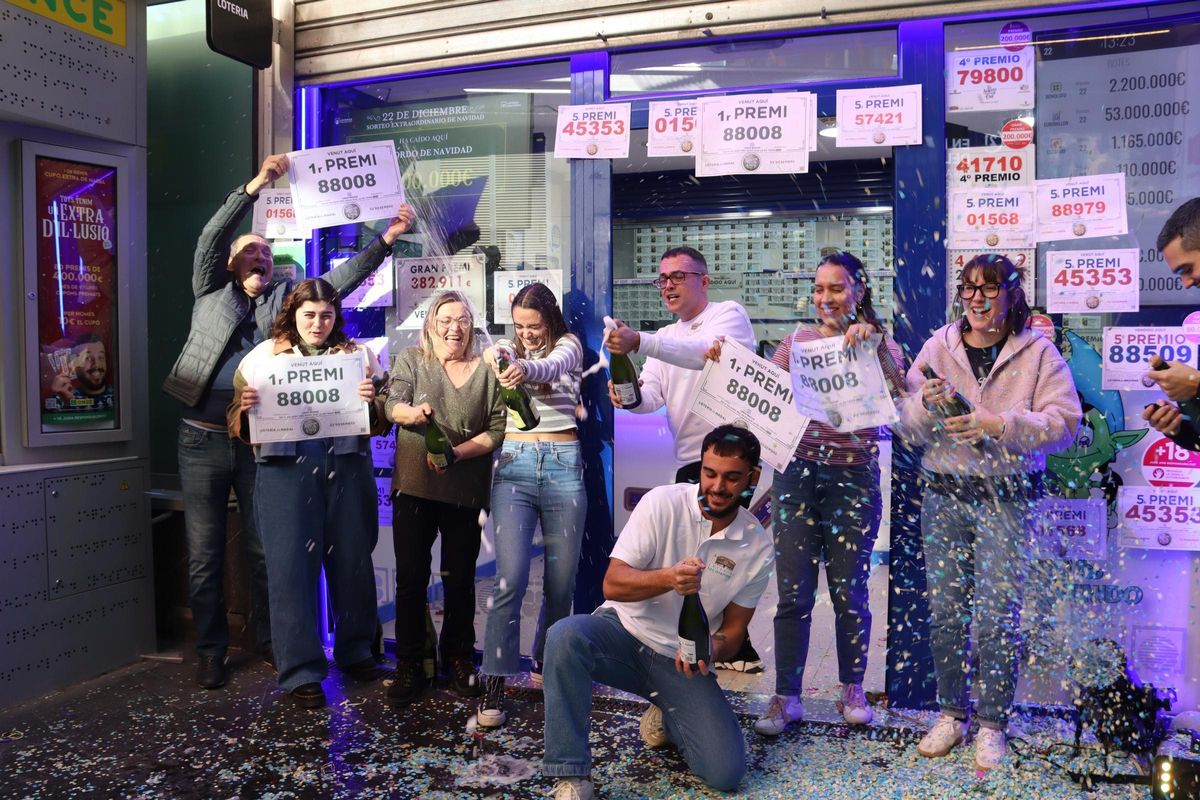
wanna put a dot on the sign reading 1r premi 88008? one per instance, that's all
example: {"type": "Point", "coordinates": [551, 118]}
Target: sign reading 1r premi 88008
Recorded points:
{"type": "Point", "coordinates": [344, 184]}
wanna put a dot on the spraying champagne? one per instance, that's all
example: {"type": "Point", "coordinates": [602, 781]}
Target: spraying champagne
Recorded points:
{"type": "Point", "coordinates": [520, 405]}
{"type": "Point", "coordinates": [624, 374]}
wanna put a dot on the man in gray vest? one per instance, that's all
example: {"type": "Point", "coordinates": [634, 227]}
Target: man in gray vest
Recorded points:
{"type": "Point", "coordinates": [236, 303]}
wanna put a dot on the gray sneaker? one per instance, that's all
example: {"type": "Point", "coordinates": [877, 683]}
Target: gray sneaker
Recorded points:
{"type": "Point", "coordinates": [573, 789]}
{"type": "Point", "coordinates": [651, 728]}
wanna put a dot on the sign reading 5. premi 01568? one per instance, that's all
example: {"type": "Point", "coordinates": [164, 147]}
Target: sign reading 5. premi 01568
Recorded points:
{"type": "Point", "coordinates": [240, 29]}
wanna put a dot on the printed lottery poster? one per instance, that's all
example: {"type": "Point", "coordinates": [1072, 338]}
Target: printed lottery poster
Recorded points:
{"type": "Point", "coordinates": [991, 79]}
{"type": "Point", "coordinates": [1159, 517]}
{"type": "Point", "coordinates": [672, 129]}
{"type": "Point", "coordinates": [507, 282]}
{"type": "Point", "coordinates": [1092, 281]}
{"type": "Point", "coordinates": [418, 280]}
{"type": "Point", "coordinates": [755, 133]}
{"type": "Point", "coordinates": [274, 217]}
{"type": "Point", "coordinates": [76, 221]}
{"type": "Point", "coordinates": [598, 130]}
{"type": "Point", "coordinates": [1127, 350]}
{"type": "Point", "coordinates": [880, 116]}
{"type": "Point", "coordinates": [842, 387]}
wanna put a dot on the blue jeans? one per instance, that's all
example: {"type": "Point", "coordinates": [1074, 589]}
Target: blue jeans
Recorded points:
{"type": "Point", "coordinates": [696, 715]}
{"type": "Point", "coordinates": [210, 462]}
{"type": "Point", "coordinates": [974, 565]}
{"type": "Point", "coordinates": [830, 512]}
{"type": "Point", "coordinates": [315, 509]}
{"type": "Point", "coordinates": [533, 481]}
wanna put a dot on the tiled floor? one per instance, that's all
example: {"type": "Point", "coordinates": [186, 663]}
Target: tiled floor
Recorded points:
{"type": "Point", "coordinates": [146, 732]}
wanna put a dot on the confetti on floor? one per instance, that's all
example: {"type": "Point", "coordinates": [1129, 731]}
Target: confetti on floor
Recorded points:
{"type": "Point", "coordinates": [145, 731]}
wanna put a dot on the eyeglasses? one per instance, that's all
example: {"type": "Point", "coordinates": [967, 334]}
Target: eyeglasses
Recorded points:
{"type": "Point", "coordinates": [461, 323]}
{"type": "Point", "coordinates": [676, 277]}
{"type": "Point", "coordinates": [967, 290]}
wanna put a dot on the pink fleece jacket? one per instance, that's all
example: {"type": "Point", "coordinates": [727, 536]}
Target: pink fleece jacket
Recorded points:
{"type": "Point", "coordinates": [1030, 388]}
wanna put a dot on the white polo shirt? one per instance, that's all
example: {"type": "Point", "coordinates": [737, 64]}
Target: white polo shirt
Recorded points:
{"type": "Point", "coordinates": [674, 359]}
{"type": "Point", "coordinates": [666, 527]}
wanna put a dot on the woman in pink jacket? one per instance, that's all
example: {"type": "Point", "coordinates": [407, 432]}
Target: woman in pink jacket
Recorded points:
{"type": "Point", "coordinates": [982, 472]}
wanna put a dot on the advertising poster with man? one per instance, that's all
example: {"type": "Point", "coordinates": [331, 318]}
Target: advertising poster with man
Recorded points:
{"type": "Point", "coordinates": [76, 287]}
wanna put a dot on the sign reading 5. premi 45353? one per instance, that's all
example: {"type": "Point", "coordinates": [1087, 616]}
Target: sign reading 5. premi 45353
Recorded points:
{"type": "Point", "coordinates": [1159, 518]}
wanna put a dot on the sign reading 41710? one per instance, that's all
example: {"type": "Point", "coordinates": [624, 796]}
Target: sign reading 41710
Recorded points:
{"type": "Point", "coordinates": [599, 130]}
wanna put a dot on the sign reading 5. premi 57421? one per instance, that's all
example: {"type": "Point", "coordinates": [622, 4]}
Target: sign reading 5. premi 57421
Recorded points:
{"type": "Point", "coordinates": [240, 29]}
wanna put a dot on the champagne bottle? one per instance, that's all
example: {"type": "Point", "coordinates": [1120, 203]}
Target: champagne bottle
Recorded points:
{"type": "Point", "coordinates": [441, 452]}
{"type": "Point", "coordinates": [693, 631]}
{"type": "Point", "coordinates": [954, 406]}
{"type": "Point", "coordinates": [624, 374]}
{"type": "Point", "coordinates": [517, 400]}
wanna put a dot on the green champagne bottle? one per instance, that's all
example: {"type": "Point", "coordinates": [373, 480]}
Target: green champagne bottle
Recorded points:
{"type": "Point", "coordinates": [954, 406]}
{"type": "Point", "coordinates": [624, 375]}
{"type": "Point", "coordinates": [693, 631]}
{"type": "Point", "coordinates": [520, 405]}
{"type": "Point", "coordinates": [441, 452]}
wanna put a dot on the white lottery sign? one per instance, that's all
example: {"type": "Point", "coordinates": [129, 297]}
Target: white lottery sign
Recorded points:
{"type": "Point", "coordinates": [751, 391]}
{"type": "Point", "coordinates": [1074, 530]}
{"type": "Point", "coordinates": [419, 279]}
{"type": "Point", "coordinates": [599, 130]}
{"type": "Point", "coordinates": [986, 219]}
{"type": "Point", "coordinates": [1127, 349]}
{"type": "Point", "coordinates": [673, 129]}
{"type": "Point", "coordinates": [1079, 208]}
{"type": "Point", "coordinates": [344, 184]}
{"type": "Point", "coordinates": [990, 79]}
{"type": "Point", "coordinates": [1024, 260]}
{"type": "Point", "coordinates": [383, 500]}
{"type": "Point", "coordinates": [274, 217]}
{"type": "Point", "coordinates": [1092, 281]}
{"type": "Point", "coordinates": [376, 291]}
{"type": "Point", "coordinates": [842, 387]}
{"type": "Point", "coordinates": [1159, 517]}
{"type": "Point", "coordinates": [989, 167]}
{"type": "Point", "coordinates": [755, 133]}
{"type": "Point", "coordinates": [308, 398]}
{"type": "Point", "coordinates": [882, 116]}
{"type": "Point", "coordinates": [507, 282]}
{"type": "Point", "coordinates": [383, 452]}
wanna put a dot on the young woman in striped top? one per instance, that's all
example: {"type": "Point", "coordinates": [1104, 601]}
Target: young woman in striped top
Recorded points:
{"type": "Point", "coordinates": [538, 477]}
{"type": "Point", "coordinates": [827, 506]}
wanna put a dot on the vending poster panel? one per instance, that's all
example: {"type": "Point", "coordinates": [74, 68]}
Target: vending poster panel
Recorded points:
{"type": "Point", "coordinates": [76, 381]}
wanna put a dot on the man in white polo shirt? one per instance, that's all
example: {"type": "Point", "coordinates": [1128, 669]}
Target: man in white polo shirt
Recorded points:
{"type": "Point", "coordinates": [680, 539]}
{"type": "Point", "coordinates": [674, 360]}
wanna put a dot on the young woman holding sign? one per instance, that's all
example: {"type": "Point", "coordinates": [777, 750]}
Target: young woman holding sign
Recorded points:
{"type": "Point", "coordinates": [982, 472]}
{"type": "Point", "coordinates": [442, 384]}
{"type": "Point", "coordinates": [539, 478]}
{"type": "Point", "coordinates": [827, 506]}
{"type": "Point", "coordinates": [318, 505]}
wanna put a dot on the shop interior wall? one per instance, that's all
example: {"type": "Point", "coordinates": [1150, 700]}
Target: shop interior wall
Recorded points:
{"type": "Point", "coordinates": [200, 133]}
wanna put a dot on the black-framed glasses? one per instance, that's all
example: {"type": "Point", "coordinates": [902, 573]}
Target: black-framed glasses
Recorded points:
{"type": "Point", "coordinates": [967, 290]}
{"type": "Point", "coordinates": [673, 278]}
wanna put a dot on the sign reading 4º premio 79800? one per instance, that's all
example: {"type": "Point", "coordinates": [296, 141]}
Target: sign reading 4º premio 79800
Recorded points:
{"type": "Point", "coordinates": [308, 398]}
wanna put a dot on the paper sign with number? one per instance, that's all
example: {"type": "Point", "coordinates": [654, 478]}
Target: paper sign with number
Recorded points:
{"type": "Point", "coordinates": [989, 167]}
{"type": "Point", "coordinates": [1073, 530]}
{"type": "Point", "coordinates": [307, 398]}
{"type": "Point", "coordinates": [1159, 517]}
{"type": "Point", "coordinates": [842, 387]}
{"type": "Point", "coordinates": [1126, 351]}
{"type": "Point", "coordinates": [344, 184]}
{"type": "Point", "coordinates": [673, 129]}
{"type": "Point", "coordinates": [1079, 208]}
{"type": "Point", "coordinates": [989, 80]}
{"type": "Point", "coordinates": [274, 217]}
{"type": "Point", "coordinates": [376, 291]}
{"type": "Point", "coordinates": [883, 116]}
{"type": "Point", "coordinates": [599, 130]}
{"type": "Point", "coordinates": [507, 282]}
{"type": "Point", "coordinates": [986, 219]}
{"type": "Point", "coordinates": [383, 499]}
{"type": "Point", "coordinates": [746, 390]}
{"type": "Point", "coordinates": [1092, 281]}
{"type": "Point", "coordinates": [753, 134]}
{"type": "Point", "coordinates": [418, 280]}
{"type": "Point", "coordinates": [1024, 260]}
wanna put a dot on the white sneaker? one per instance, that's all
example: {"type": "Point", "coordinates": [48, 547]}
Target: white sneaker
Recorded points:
{"type": "Point", "coordinates": [572, 789]}
{"type": "Point", "coordinates": [942, 737]}
{"type": "Point", "coordinates": [853, 705]}
{"type": "Point", "coordinates": [783, 711]}
{"type": "Point", "coordinates": [651, 728]}
{"type": "Point", "coordinates": [491, 706]}
{"type": "Point", "coordinates": [990, 746]}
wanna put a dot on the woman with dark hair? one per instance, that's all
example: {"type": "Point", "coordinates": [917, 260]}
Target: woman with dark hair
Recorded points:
{"type": "Point", "coordinates": [538, 479]}
{"type": "Point", "coordinates": [827, 506]}
{"type": "Point", "coordinates": [442, 382]}
{"type": "Point", "coordinates": [317, 505]}
{"type": "Point", "coordinates": [982, 472]}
